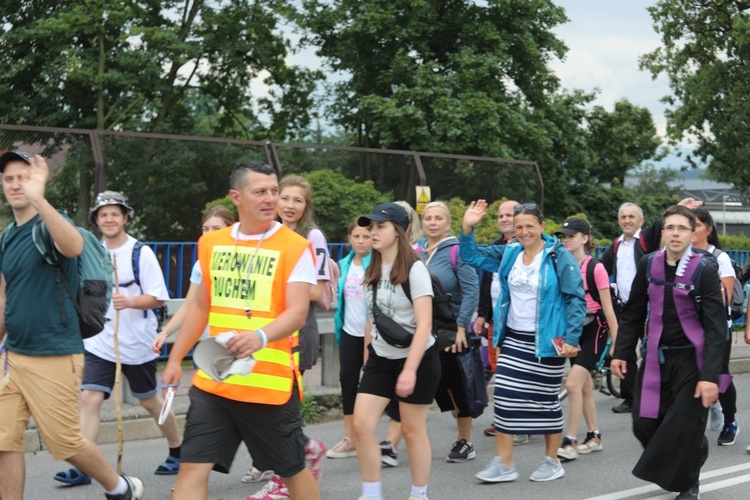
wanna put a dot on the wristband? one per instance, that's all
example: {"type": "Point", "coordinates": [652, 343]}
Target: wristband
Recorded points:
{"type": "Point", "coordinates": [161, 332]}
{"type": "Point", "coordinates": [263, 337]}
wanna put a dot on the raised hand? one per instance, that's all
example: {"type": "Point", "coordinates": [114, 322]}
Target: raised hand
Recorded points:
{"type": "Point", "coordinates": [472, 216]}
{"type": "Point", "coordinates": [33, 185]}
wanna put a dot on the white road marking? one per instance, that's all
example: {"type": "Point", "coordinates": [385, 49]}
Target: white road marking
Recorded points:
{"type": "Point", "coordinates": [642, 490]}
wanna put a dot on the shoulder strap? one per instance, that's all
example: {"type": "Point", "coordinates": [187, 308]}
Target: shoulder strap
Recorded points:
{"type": "Point", "coordinates": [136, 263]}
{"type": "Point", "coordinates": [615, 244]}
{"type": "Point", "coordinates": [591, 281]}
{"type": "Point", "coordinates": [405, 284]}
{"type": "Point", "coordinates": [454, 251]}
{"type": "Point", "coordinates": [43, 242]}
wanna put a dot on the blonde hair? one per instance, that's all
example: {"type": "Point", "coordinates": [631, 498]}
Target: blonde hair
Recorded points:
{"type": "Point", "coordinates": [307, 220]}
{"type": "Point", "coordinates": [438, 204]}
{"type": "Point", "coordinates": [414, 233]}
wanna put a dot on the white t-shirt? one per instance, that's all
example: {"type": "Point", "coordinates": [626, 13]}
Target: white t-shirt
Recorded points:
{"type": "Point", "coordinates": [320, 247]}
{"type": "Point", "coordinates": [196, 275]}
{"type": "Point", "coordinates": [355, 315]}
{"type": "Point", "coordinates": [394, 303]}
{"type": "Point", "coordinates": [135, 332]}
{"type": "Point", "coordinates": [726, 269]}
{"type": "Point", "coordinates": [523, 283]}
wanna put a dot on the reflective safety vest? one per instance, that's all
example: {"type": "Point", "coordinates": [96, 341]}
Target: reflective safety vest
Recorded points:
{"type": "Point", "coordinates": [234, 289]}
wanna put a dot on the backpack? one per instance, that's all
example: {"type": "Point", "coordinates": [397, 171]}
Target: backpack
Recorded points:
{"type": "Point", "coordinates": [93, 291]}
{"type": "Point", "coordinates": [161, 311]}
{"type": "Point", "coordinates": [330, 288]}
{"type": "Point", "coordinates": [707, 259]}
{"type": "Point", "coordinates": [738, 293]}
{"type": "Point", "coordinates": [444, 325]}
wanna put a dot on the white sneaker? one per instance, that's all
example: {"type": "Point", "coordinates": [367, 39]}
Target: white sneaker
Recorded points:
{"type": "Point", "coordinates": [273, 490]}
{"type": "Point", "coordinates": [715, 417]}
{"type": "Point", "coordinates": [253, 475]}
{"type": "Point", "coordinates": [548, 470]}
{"type": "Point", "coordinates": [496, 472]}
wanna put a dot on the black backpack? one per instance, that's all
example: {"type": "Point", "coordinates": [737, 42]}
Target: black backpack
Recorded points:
{"type": "Point", "coordinates": [444, 325]}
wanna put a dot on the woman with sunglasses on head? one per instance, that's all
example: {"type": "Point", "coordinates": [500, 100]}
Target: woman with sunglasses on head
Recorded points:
{"type": "Point", "coordinates": [723, 412]}
{"type": "Point", "coordinates": [350, 320]}
{"type": "Point", "coordinates": [541, 308]}
{"type": "Point", "coordinates": [575, 234]}
{"type": "Point", "coordinates": [402, 359]}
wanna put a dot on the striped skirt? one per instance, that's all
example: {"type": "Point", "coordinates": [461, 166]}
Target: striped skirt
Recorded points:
{"type": "Point", "coordinates": [527, 388]}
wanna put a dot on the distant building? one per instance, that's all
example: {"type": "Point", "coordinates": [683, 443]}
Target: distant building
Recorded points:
{"type": "Point", "coordinates": [729, 209]}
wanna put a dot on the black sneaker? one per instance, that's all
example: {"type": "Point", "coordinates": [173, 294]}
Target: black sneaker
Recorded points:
{"type": "Point", "coordinates": [692, 493]}
{"type": "Point", "coordinates": [389, 454]}
{"type": "Point", "coordinates": [624, 407]}
{"type": "Point", "coordinates": [461, 452]}
{"type": "Point", "coordinates": [135, 490]}
{"type": "Point", "coordinates": [728, 434]}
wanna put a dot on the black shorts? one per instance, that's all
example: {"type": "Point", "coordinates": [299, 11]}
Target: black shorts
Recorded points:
{"type": "Point", "coordinates": [272, 433]}
{"type": "Point", "coordinates": [592, 343]}
{"type": "Point", "coordinates": [381, 374]}
{"type": "Point", "coordinates": [99, 375]}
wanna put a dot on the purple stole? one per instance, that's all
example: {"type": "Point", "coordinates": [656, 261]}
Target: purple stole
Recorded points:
{"type": "Point", "coordinates": [689, 321]}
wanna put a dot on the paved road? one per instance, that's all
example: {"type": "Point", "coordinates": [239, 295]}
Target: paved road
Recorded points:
{"type": "Point", "coordinates": [603, 475]}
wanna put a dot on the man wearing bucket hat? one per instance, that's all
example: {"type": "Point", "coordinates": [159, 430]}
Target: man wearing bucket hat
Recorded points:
{"type": "Point", "coordinates": [137, 326]}
{"type": "Point", "coordinates": [43, 358]}
{"type": "Point", "coordinates": [257, 276]}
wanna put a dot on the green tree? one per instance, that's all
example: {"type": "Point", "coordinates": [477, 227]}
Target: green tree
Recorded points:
{"type": "Point", "coordinates": [621, 140]}
{"type": "Point", "coordinates": [459, 77]}
{"type": "Point", "coordinates": [338, 200]}
{"type": "Point", "coordinates": [704, 53]}
{"type": "Point", "coordinates": [175, 66]}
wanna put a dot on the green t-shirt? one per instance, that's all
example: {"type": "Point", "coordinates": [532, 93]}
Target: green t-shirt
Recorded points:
{"type": "Point", "coordinates": [32, 307]}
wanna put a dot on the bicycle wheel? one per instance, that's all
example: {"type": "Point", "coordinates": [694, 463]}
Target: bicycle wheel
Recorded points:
{"type": "Point", "coordinates": [613, 384]}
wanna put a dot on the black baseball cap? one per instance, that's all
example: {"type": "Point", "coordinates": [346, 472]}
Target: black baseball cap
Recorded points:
{"type": "Point", "coordinates": [574, 225]}
{"type": "Point", "coordinates": [386, 212]}
{"type": "Point", "coordinates": [12, 156]}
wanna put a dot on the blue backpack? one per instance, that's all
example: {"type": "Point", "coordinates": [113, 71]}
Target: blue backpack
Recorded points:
{"type": "Point", "coordinates": [93, 292]}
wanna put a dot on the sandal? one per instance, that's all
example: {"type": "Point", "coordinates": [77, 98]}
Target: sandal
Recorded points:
{"type": "Point", "coordinates": [73, 477]}
{"type": "Point", "coordinates": [255, 476]}
{"type": "Point", "coordinates": [170, 467]}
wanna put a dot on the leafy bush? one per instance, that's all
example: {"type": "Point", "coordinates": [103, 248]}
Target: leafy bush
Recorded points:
{"type": "Point", "coordinates": [339, 200]}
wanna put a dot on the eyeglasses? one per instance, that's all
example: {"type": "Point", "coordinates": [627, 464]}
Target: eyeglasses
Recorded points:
{"type": "Point", "coordinates": [679, 229]}
{"type": "Point", "coordinates": [525, 206]}
{"type": "Point", "coordinates": [6, 374]}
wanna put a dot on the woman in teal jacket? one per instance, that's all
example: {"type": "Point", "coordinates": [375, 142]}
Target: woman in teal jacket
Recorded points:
{"type": "Point", "coordinates": [349, 328]}
{"type": "Point", "coordinates": [541, 299]}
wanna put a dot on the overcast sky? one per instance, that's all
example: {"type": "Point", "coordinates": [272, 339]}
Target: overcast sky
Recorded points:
{"type": "Point", "coordinates": [605, 39]}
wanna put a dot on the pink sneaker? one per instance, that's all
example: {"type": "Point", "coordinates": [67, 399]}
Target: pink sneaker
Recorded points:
{"type": "Point", "coordinates": [314, 452]}
{"type": "Point", "coordinates": [273, 490]}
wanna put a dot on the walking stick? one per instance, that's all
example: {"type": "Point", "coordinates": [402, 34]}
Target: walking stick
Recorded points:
{"type": "Point", "coordinates": [118, 367]}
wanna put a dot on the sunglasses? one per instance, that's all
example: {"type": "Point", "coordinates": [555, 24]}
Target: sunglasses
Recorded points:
{"type": "Point", "coordinates": [525, 206]}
